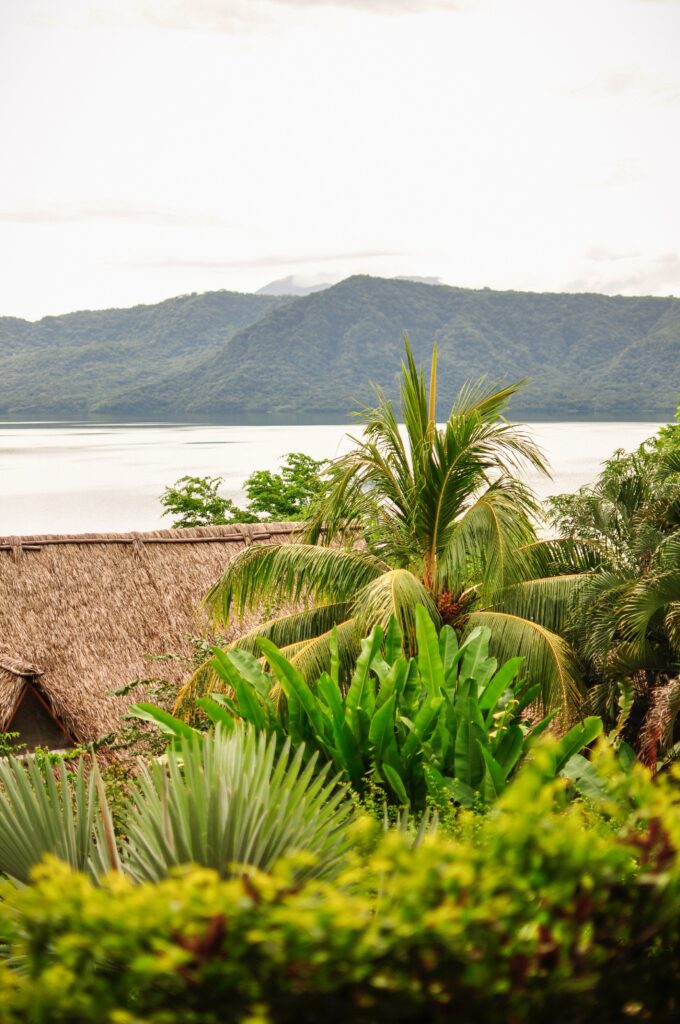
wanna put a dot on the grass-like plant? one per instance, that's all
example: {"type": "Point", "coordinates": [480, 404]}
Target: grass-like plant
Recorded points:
{"type": "Point", "coordinates": [228, 801]}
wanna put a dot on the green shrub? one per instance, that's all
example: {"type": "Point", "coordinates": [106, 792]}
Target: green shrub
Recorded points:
{"type": "Point", "coordinates": [445, 725]}
{"type": "Point", "coordinates": [541, 911]}
{"type": "Point", "coordinates": [227, 801]}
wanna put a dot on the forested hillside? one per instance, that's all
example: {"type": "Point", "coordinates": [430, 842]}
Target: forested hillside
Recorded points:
{"type": "Point", "coordinates": [67, 365]}
{"type": "Point", "coordinates": [225, 355]}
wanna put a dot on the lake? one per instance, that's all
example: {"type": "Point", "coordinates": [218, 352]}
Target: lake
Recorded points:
{"type": "Point", "coordinates": [84, 477]}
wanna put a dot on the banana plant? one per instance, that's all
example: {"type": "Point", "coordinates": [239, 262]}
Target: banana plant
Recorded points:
{"type": "Point", "coordinates": [446, 724]}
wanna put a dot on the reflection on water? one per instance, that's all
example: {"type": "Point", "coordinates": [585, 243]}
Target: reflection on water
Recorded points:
{"type": "Point", "coordinates": [75, 477]}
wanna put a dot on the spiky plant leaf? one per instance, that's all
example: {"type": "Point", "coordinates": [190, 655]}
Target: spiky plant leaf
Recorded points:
{"type": "Point", "coordinates": [229, 803]}
{"type": "Point", "coordinates": [54, 812]}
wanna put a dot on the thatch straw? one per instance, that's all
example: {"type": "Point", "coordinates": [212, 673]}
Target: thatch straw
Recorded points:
{"type": "Point", "coordinates": [80, 614]}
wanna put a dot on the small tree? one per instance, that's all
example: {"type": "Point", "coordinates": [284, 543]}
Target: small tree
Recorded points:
{"type": "Point", "coordinates": [194, 501]}
{"type": "Point", "coordinates": [284, 496]}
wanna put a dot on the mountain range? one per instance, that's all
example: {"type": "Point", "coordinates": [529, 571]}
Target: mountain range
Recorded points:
{"type": "Point", "coordinates": [224, 355]}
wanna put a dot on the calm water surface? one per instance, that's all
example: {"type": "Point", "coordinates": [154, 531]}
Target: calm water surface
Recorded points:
{"type": "Point", "coordinates": [79, 477]}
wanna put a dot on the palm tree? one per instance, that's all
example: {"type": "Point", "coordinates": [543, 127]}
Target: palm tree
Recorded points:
{"type": "Point", "coordinates": [424, 514]}
{"type": "Point", "coordinates": [626, 615]}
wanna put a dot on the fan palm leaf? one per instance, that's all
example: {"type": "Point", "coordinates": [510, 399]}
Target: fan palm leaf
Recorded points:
{"type": "Point", "coordinates": [646, 600]}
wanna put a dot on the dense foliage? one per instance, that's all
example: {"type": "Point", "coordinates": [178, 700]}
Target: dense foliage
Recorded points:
{"type": "Point", "coordinates": [444, 522]}
{"type": "Point", "coordinates": [196, 501]}
{"type": "Point", "coordinates": [285, 496]}
{"type": "Point", "coordinates": [447, 725]}
{"type": "Point", "coordinates": [540, 912]}
{"type": "Point", "coordinates": [227, 355]}
{"type": "Point", "coordinates": [625, 618]}
{"type": "Point", "coordinates": [78, 363]}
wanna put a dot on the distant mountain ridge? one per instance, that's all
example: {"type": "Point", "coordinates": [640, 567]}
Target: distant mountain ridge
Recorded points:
{"type": "Point", "coordinates": [67, 365]}
{"type": "Point", "coordinates": [290, 286]}
{"type": "Point", "coordinates": [225, 354]}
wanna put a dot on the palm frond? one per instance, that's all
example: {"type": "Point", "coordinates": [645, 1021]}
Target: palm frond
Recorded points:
{"type": "Point", "coordinates": [670, 462]}
{"type": "Point", "coordinates": [596, 612]}
{"type": "Point", "coordinates": [484, 398]}
{"type": "Point", "coordinates": [268, 573]}
{"type": "Point", "coordinates": [556, 556]}
{"type": "Point", "coordinates": [289, 632]}
{"type": "Point", "coordinates": [397, 593]}
{"type": "Point", "coordinates": [312, 657]}
{"type": "Point", "coordinates": [547, 601]}
{"type": "Point", "coordinates": [484, 540]}
{"type": "Point", "coordinates": [298, 627]}
{"type": "Point", "coordinates": [667, 554]}
{"type": "Point", "coordinates": [672, 627]}
{"type": "Point", "coordinates": [646, 599]}
{"type": "Point", "coordinates": [548, 660]}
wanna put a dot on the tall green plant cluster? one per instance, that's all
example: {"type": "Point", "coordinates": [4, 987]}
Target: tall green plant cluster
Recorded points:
{"type": "Point", "coordinates": [445, 724]}
{"type": "Point", "coordinates": [625, 615]}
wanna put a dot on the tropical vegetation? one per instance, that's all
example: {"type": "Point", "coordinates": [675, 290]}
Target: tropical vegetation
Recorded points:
{"type": "Point", "coordinates": [446, 725]}
{"type": "Point", "coordinates": [547, 909]}
{"type": "Point", "coordinates": [386, 802]}
{"type": "Point", "coordinates": [426, 515]}
{"type": "Point", "coordinates": [625, 617]}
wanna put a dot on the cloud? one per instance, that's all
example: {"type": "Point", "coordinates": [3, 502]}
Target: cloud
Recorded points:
{"type": "Point", "coordinates": [81, 213]}
{"type": "Point", "coordinates": [271, 260]}
{"type": "Point", "coordinates": [659, 275]}
{"type": "Point", "coordinates": [630, 82]}
{"type": "Point", "coordinates": [600, 254]}
{"type": "Point", "coordinates": [228, 16]}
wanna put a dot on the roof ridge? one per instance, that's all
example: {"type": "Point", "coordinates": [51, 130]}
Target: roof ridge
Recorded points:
{"type": "Point", "coordinates": [195, 534]}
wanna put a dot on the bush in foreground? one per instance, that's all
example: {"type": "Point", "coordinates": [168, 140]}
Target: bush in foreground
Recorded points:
{"type": "Point", "coordinates": [541, 910]}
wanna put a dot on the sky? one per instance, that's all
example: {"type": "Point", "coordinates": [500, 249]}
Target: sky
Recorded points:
{"type": "Point", "coordinates": [152, 148]}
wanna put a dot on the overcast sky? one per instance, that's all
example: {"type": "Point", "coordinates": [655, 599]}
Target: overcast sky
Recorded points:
{"type": "Point", "coordinates": [157, 147]}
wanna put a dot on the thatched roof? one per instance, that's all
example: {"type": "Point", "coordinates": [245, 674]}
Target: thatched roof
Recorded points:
{"type": "Point", "coordinates": [79, 615]}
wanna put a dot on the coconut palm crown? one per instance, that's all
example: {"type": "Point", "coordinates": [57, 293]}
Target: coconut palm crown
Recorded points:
{"type": "Point", "coordinates": [418, 513]}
